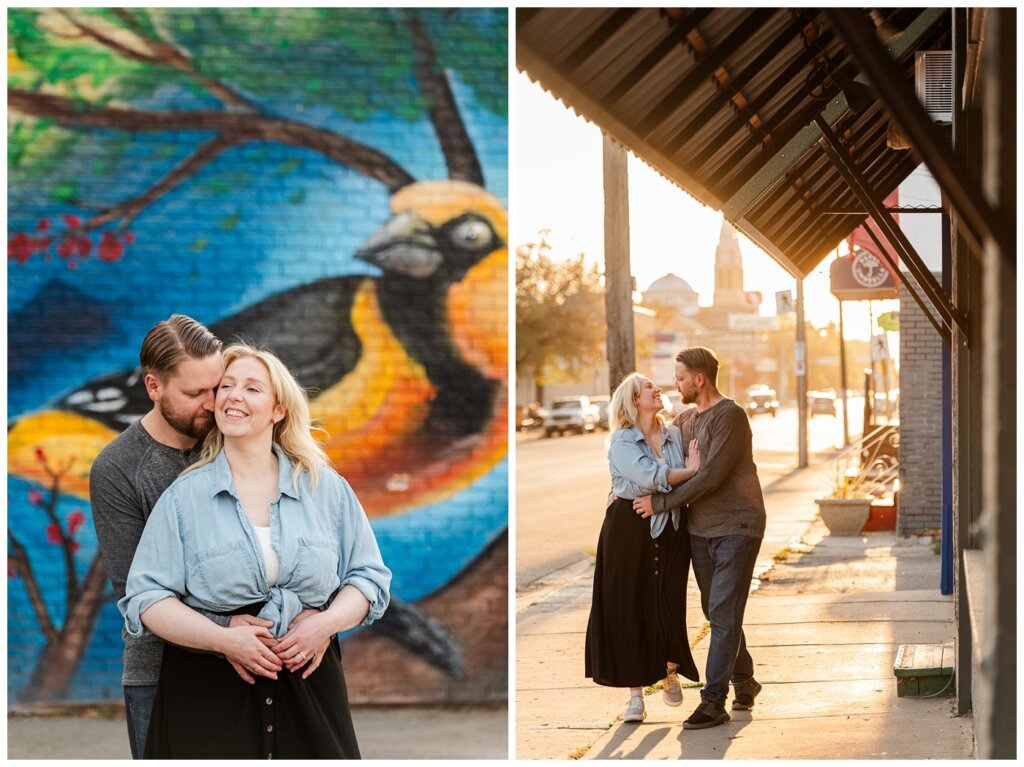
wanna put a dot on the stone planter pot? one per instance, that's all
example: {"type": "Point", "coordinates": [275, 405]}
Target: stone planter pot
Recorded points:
{"type": "Point", "coordinates": [844, 516]}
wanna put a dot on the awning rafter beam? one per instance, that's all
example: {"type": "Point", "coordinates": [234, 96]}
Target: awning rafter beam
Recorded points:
{"type": "Point", "coordinates": [963, 190]}
{"type": "Point", "coordinates": [893, 234]}
{"type": "Point", "coordinates": [773, 171]}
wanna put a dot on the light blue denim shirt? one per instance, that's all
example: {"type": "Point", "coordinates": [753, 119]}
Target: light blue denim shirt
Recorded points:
{"type": "Point", "coordinates": [200, 547]}
{"type": "Point", "coordinates": [636, 471]}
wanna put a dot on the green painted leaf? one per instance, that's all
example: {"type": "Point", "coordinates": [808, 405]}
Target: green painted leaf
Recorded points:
{"type": "Point", "coordinates": [298, 197]}
{"type": "Point", "coordinates": [65, 191]}
{"type": "Point", "coordinates": [289, 165]}
{"type": "Point", "coordinates": [200, 245]}
{"type": "Point", "coordinates": [217, 186]}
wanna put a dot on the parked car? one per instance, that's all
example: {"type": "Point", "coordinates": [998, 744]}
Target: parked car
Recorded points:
{"type": "Point", "coordinates": [530, 417]}
{"type": "Point", "coordinates": [821, 402]}
{"type": "Point", "coordinates": [602, 402]}
{"type": "Point", "coordinates": [571, 414]}
{"type": "Point", "coordinates": [761, 399]}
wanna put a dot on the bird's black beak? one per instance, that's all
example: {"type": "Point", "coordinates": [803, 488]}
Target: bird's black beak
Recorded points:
{"type": "Point", "coordinates": [406, 244]}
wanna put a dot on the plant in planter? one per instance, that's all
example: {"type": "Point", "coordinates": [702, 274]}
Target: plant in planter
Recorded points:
{"type": "Point", "coordinates": [847, 507]}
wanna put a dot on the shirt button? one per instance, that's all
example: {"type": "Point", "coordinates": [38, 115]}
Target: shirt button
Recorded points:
{"type": "Point", "coordinates": [655, 545]}
{"type": "Point", "coordinates": [655, 559]}
{"type": "Point", "coordinates": [269, 701]}
{"type": "Point", "coordinates": [655, 572]}
{"type": "Point", "coordinates": [270, 728]}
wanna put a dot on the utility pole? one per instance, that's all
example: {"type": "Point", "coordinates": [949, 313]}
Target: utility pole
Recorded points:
{"type": "Point", "coordinates": [800, 363]}
{"type": "Point", "coordinates": [618, 282]}
{"type": "Point", "coordinates": [842, 377]}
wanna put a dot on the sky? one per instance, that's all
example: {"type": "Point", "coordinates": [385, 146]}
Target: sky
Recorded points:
{"type": "Point", "coordinates": [556, 158]}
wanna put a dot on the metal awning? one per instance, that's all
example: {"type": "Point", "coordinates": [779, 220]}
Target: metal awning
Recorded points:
{"type": "Point", "coordinates": [722, 101]}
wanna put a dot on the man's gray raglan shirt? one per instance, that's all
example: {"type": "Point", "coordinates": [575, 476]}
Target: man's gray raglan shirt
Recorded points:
{"type": "Point", "coordinates": [725, 495]}
{"type": "Point", "coordinates": [126, 480]}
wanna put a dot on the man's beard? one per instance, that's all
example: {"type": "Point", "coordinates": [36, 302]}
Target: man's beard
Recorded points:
{"type": "Point", "coordinates": [190, 426]}
{"type": "Point", "coordinates": [687, 399]}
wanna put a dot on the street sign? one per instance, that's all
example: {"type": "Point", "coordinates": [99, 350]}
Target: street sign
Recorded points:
{"type": "Point", "coordinates": [752, 322]}
{"type": "Point", "coordinates": [863, 278]}
{"type": "Point", "coordinates": [879, 348]}
{"type": "Point", "coordinates": [784, 302]}
{"type": "Point", "coordinates": [800, 358]}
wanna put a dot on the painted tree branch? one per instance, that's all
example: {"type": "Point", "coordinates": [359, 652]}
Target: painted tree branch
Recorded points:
{"type": "Point", "coordinates": [107, 41]}
{"type": "Point", "coordinates": [236, 126]}
{"type": "Point", "coordinates": [172, 56]}
{"type": "Point", "coordinates": [50, 509]}
{"type": "Point", "coordinates": [61, 656]}
{"type": "Point", "coordinates": [459, 154]}
{"type": "Point", "coordinates": [18, 558]}
{"type": "Point", "coordinates": [126, 212]}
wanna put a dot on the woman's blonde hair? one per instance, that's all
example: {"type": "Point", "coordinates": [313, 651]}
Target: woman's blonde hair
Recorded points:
{"type": "Point", "coordinates": [293, 433]}
{"type": "Point", "coordinates": [622, 410]}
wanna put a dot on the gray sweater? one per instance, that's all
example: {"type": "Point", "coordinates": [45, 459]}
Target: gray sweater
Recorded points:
{"type": "Point", "coordinates": [725, 495]}
{"type": "Point", "coordinates": [126, 480]}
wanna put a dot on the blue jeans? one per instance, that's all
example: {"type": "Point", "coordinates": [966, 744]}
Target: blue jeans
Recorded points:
{"type": "Point", "coordinates": [138, 705]}
{"type": "Point", "coordinates": [723, 568]}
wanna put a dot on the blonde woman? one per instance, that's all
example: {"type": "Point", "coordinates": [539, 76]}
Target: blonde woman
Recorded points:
{"type": "Point", "coordinates": [260, 525]}
{"type": "Point", "coordinates": [637, 630]}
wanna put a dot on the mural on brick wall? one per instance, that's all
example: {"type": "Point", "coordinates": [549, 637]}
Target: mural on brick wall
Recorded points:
{"type": "Point", "coordinates": [328, 183]}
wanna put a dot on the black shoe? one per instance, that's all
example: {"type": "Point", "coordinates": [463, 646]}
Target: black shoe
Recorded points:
{"type": "Point", "coordinates": [744, 694]}
{"type": "Point", "coordinates": [708, 714]}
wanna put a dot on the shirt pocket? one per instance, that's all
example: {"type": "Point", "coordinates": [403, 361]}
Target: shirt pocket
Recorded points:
{"type": "Point", "coordinates": [225, 571]}
{"type": "Point", "coordinates": [316, 567]}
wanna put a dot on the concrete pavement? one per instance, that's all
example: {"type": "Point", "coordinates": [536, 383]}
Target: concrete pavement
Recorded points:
{"type": "Point", "coordinates": [824, 622]}
{"type": "Point", "coordinates": [384, 732]}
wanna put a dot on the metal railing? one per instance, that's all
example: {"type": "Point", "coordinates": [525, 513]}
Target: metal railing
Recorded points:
{"type": "Point", "coordinates": [870, 467]}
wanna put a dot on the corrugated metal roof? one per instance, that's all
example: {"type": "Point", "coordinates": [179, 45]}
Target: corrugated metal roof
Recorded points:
{"type": "Point", "coordinates": [721, 101]}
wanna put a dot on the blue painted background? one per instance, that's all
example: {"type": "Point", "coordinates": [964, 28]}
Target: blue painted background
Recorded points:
{"type": "Point", "coordinates": [262, 218]}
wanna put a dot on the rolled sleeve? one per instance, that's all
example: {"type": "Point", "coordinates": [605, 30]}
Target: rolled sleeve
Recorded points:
{"type": "Point", "coordinates": [158, 568]}
{"type": "Point", "coordinates": [627, 459]}
{"type": "Point", "coordinates": [360, 563]}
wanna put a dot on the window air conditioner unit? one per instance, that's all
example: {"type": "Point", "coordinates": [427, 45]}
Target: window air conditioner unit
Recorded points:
{"type": "Point", "coordinates": [933, 75]}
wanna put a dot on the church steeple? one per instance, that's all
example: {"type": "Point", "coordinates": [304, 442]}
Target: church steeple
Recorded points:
{"type": "Point", "coordinates": [728, 271]}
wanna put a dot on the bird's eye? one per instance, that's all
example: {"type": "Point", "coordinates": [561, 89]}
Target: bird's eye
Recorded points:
{"type": "Point", "coordinates": [472, 233]}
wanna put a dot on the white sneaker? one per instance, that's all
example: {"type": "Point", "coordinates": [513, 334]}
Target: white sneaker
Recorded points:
{"type": "Point", "coordinates": [635, 711]}
{"type": "Point", "coordinates": [671, 691]}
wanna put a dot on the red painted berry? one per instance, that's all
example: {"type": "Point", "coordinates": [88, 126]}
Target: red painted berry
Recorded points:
{"type": "Point", "coordinates": [110, 248]}
{"type": "Point", "coordinates": [53, 534]}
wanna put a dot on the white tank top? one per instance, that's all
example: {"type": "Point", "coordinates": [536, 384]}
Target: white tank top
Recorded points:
{"type": "Point", "coordinates": [270, 560]}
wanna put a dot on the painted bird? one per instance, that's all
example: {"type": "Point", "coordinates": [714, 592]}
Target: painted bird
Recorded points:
{"type": "Point", "coordinates": [406, 371]}
{"type": "Point", "coordinates": [408, 365]}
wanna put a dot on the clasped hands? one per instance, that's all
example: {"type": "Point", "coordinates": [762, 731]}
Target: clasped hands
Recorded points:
{"type": "Point", "coordinates": [252, 649]}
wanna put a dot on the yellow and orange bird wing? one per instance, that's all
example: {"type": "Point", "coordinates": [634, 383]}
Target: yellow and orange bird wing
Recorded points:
{"type": "Point", "coordinates": [423, 466]}
{"type": "Point", "coordinates": [41, 445]}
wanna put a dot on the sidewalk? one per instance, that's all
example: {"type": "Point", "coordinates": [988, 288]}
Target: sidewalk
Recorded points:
{"type": "Point", "coordinates": [384, 732]}
{"type": "Point", "coordinates": [824, 622]}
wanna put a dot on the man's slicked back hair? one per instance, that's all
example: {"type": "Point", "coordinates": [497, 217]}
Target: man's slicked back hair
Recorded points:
{"type": "Point", "coordinates": [173, 340]}
{"type": "Point", "coordinates": [700, 359]}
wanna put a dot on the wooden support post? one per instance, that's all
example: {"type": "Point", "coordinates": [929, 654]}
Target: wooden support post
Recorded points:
{"type": "Point", "coordinates": [618, 285]}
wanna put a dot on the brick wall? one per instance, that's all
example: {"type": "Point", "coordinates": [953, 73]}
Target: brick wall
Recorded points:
{"type": "Point", "coordinates": [236, 181]}
{"type": "Point", "coordinates": [920, 506]}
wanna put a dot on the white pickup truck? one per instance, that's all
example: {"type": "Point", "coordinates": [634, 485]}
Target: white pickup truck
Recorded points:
{"type": "Point", "coordinates": [576, 414]}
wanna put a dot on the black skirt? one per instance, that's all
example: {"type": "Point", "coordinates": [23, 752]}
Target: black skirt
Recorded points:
{"type": "Point", "coordinates": [638, 613]}
{"type": "Point", "coordinates": [203, 710]}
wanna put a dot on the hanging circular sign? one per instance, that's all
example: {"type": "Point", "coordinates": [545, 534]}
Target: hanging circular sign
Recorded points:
{"type": "Point", "coordinates": [868, 270]}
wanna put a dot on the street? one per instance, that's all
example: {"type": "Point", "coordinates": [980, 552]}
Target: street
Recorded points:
{"type": "Point", "coordinates": [562, 484]}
